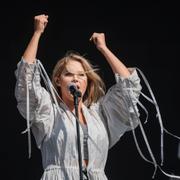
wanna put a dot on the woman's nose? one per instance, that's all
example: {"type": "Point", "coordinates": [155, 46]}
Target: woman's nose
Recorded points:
{"type": "Point", "coordinates": [75, 77]}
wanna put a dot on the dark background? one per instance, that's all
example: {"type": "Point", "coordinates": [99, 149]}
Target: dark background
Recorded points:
{"type": "Point", "coordinates": [145, 35]}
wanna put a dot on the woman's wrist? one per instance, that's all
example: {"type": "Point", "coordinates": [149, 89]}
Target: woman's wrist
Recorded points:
{"type": "Point", "coordinates": [103, 49]}
{"type": "Point", "coordinates": [37, 34]}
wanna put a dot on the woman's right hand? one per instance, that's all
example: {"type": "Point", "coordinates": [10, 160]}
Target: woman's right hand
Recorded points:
{"type": "Point", "coordinates": [30, 52]}
{"type": "Point", "coordinates": [40, 23]}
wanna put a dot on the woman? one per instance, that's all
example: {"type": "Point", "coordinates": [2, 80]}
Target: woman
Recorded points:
{"type": "Point", "coordinates": [103, 118]}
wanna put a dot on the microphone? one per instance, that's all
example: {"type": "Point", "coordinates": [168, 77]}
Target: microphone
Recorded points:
{"type": "Point", "coordinates": [73, 89]}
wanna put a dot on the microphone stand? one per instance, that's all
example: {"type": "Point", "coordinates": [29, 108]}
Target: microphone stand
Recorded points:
{"type": "Point", "coordinates": [77, 94]}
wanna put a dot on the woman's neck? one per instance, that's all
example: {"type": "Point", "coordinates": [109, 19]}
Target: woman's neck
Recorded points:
{"type": "Point", "coordinates": [80, 112]}
{"type": "Point", "coordinates": [71, 107]}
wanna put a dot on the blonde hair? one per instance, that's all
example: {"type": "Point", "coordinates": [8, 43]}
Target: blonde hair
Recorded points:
{"type": "Point", "coordinates": [95, 86]}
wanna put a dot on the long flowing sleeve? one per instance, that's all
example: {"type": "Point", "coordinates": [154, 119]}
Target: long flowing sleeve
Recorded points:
{"type": "Point", "coordinates": [119, 106]}
{"type": "Point", "coordinates": [40, 105]}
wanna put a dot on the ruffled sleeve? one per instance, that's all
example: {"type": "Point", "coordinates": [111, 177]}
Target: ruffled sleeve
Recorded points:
{"type": "Point", "coordinates": [118, 108]}
{"type": "Point", "coordinates": [40, 105]}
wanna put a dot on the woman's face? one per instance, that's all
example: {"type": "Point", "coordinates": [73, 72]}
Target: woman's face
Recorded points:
{"type": "Point", "coordinates": [73, 73]}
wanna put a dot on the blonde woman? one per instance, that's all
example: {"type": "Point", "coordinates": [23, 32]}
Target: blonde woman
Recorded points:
{"type": "Point", "coordinates": [103, 117]}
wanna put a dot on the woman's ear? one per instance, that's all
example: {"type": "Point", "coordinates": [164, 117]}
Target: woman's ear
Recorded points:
{"type": "Point", "coordinates": [57, 81]}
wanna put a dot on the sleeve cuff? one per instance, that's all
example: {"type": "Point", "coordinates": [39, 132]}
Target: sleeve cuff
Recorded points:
{"type": "Point", "coordinates": [24, 61]}
{"type": "Point", "coordinates": [132, 77]}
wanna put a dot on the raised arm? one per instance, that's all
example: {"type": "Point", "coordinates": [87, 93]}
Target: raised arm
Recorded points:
{"type": "Point", "coordinates": [33, 100]}
{"type": "Point", "coordinates": [115, 63]}
{"type": "Point", "coordinates": [30, 52]}
{"type": "Point", "coordinates": [119, 105]}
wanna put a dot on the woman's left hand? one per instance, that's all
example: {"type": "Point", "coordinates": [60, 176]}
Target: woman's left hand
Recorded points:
{"type": "Point", "coordinates": [99, 40]}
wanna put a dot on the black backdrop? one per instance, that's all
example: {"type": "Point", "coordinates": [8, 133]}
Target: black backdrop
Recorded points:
{"type": "Point", "coordinates": [143, 36]}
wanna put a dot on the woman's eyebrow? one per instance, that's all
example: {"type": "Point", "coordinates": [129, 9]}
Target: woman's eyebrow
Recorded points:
{"type": "Point", "coordinates": [84, 72]}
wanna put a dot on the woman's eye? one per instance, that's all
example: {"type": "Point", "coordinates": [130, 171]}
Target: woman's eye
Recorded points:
{"type": "Point", "coordinates": [82, 74]}
{"type": "Point", "coordinates": [68, 74]}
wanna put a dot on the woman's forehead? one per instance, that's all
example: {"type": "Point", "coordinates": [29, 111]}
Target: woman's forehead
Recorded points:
{"type": "Point", "coordinates": [74, 66]}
